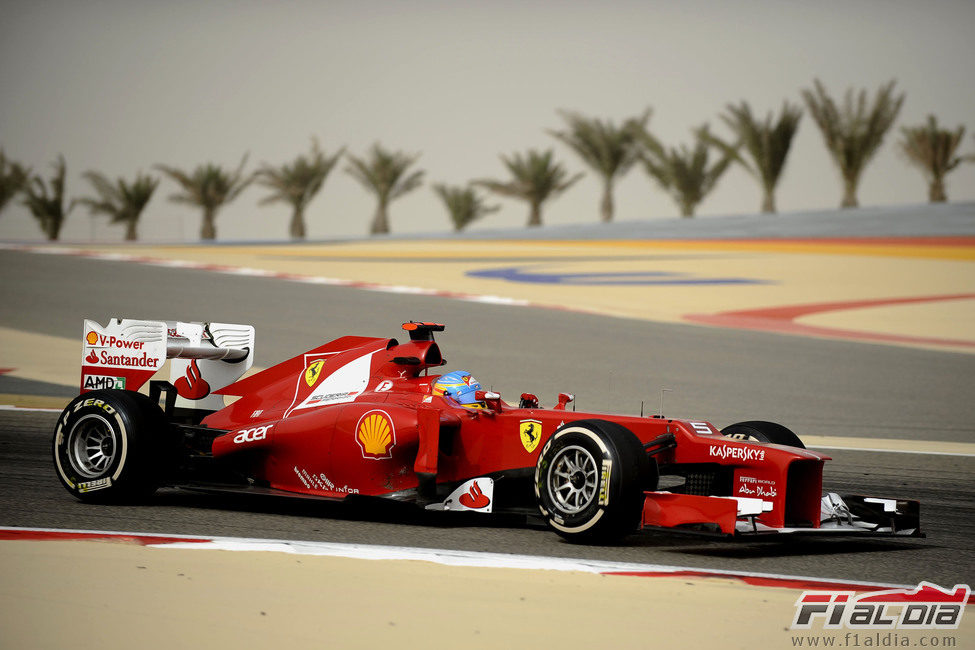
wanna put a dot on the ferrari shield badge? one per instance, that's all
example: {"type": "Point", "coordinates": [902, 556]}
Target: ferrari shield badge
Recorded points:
{"type": "Point", "coordinates": [531, 433]}
{"type": "Point", "coordinates": [313, 371]}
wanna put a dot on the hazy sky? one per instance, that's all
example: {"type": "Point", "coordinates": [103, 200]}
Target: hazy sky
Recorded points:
{"type": "Point", "coordinates": [121, 85]}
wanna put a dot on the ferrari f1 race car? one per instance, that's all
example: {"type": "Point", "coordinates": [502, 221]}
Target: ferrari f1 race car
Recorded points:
{"type": "Point", "coordinates": [363, 417]}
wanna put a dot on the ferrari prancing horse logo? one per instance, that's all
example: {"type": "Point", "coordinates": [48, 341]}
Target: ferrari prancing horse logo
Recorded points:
{"type": "Point", "coordinates": [531, 433]}
{"type": "Point", "coordinates": [313, 371]}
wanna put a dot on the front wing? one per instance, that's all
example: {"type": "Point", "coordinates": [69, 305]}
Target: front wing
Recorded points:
{"type": "Point", "coordinates": [737, 516]}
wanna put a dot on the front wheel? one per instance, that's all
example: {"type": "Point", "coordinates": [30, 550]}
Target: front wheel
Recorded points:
{"type": "Point", "coordinates": [763, 432]}
{"type": "Point", "coordinates": [590, 479]}
{"type": "Point", "coordinates": [109, 446]}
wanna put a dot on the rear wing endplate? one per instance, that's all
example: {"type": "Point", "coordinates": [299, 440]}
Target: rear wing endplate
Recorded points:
{"type": "Point", "coordinates": [206, 357]}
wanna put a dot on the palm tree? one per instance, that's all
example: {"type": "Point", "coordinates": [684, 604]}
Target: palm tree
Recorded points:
{"type": "Point", "coordinates": [854, 133]}
{"type": "Point", "coordinates": [463, 204]}
{"type": "Point", "coordinates": [122, 202]}
{"type": "Point", "coordinates": [535, 178]}
{"type": "Point", "coordinates": [685, 172]}
{"type": "Point", "coordinates": [13, 177]}
{"type": "Point", "coordinates": [766, 142]}
{"type": "Point", "coordinates": [933, 150]}
{"type": "Point", "coordinates": [608, 149]}
{"type": "Point", "coordinates": [209, 187]}
{"type": "Point", "coordinates": [384, 174]}
{"type": "Point", "coordinates": [48, 205]}
{"type": "Point", "coordinates": [298, 183]}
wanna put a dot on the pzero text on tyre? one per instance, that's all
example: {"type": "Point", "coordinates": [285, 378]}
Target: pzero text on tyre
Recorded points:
{"type": "Point", "coordinates": [763, 432]}
{"type": "Point", "coordinates": [108, 446]}
{"type": "Point", "coordinates": [589, 481]}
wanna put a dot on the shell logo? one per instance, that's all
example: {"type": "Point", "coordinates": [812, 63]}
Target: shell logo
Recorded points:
{"type": "Point", "coordinates": [376, 435]}
{"type": "Point", "coordinates": [92, 338]}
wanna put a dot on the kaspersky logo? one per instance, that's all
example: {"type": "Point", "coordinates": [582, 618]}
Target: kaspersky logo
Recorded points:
{"type": "Point", "coordinates": [925, 607]}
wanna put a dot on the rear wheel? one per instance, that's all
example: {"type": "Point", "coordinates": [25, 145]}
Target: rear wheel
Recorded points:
{"type": "Point", "coordinates": [590, 479]}
{"type": "Point", "coordinates": [763, 432]}
{"type": "Point", "coordinates": [110, 446]}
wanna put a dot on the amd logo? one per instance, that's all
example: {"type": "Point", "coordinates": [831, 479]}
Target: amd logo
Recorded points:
{"type": "Point", "coordinates": [95, 382]}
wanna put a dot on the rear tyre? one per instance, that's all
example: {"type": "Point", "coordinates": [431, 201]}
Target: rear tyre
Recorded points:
{"type": "Point", "coordinates": [590, 479]}
{"type": "Point", "coordinates": [760, 431]}
{"type": "Point", "coordinates": [109, 446]}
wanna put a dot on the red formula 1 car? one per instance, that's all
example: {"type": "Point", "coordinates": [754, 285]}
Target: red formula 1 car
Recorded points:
{"type": "Point", "coordinates": [363, 417]}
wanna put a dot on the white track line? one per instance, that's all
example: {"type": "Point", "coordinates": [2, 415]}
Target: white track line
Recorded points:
{"type": "Point", "coordinates": [896, 451]}
{"type": "Point", "coordinates": [446, 557]}
{"type": "Point", "coordinates": [305, 279]}
{"type": "Point", "coordinates": [28, 409]}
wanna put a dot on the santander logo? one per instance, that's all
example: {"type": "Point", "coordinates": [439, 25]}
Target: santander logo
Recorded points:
{"type": "Point", "coordinates": [92, 358]}
{"type": "Point", "coordinates": [192, 385]}
{"type": "Point", "coordinates": [474, 498]}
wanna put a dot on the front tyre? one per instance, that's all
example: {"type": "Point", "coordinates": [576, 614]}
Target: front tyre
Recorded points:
{"type": "Point", "coordinates": [590, 479]}
{"type": "Point", "coordinates": [109, 445]}
{"type": "Point", "coordinates": [761, 431]}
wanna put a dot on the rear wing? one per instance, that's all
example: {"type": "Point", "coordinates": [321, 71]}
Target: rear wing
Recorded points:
{"type": "Point", "coordinates": [206, 357]}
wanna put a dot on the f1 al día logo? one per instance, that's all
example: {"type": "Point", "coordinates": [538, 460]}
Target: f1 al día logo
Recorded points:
{"type": "Point", "coordinates": [926, 607]}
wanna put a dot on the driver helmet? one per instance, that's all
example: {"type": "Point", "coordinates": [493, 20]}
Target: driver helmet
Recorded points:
{"type": "Point", "coordinates": [460, 386]}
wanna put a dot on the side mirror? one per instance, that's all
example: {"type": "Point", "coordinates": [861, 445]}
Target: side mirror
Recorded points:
{"type": "Point", "coordinates": [564, 398]}
{"type": "Point", "coordinates": [489, 397]}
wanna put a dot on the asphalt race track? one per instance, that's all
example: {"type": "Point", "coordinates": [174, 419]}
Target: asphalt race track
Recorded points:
{"type": "Point", "coordinates": [813, 386]}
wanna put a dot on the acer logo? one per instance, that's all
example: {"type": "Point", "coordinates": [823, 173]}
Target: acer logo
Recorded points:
{"type": "Point", "coordinates": [252, 435]}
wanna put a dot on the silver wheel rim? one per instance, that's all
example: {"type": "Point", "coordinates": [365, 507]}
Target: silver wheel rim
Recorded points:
{"type": "Point", "coordinates": [573, 479]}
{"type": "Point", "coordinates": [91, 446]}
